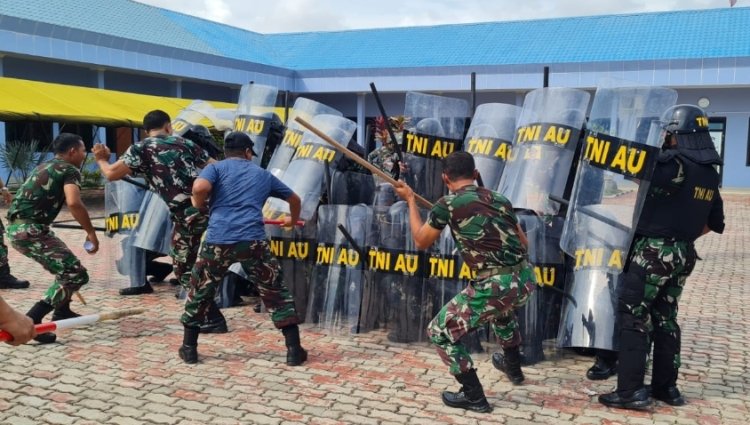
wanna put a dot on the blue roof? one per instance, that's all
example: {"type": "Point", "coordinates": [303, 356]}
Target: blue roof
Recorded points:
{"type": "Point", "coordinates": [692, 34]}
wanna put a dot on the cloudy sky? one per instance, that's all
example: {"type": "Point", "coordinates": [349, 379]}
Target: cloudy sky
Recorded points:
{"type": "Point", "coordinates": [324, 15]}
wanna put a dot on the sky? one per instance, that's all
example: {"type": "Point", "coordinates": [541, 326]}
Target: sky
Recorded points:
{"type": "Point", "coordinates": [275, 16]}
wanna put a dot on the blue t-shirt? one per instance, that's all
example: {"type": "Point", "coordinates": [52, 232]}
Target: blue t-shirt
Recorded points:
{"type": "Point", "coordinates": [239, 191]}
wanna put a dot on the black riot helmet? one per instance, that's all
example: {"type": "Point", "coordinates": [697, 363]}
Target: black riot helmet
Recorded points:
{"type": "Point", "coordinates": [684, 119]}
{"type": "Point", "coordinates": [689, 126]}
{"type": "Point", "coordinates": [201, 136]}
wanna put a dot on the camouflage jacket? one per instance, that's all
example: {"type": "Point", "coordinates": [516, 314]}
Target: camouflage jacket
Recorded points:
{"type": "Point", "coordinates": [169, 165]}
{"type": "Point", "coordinates": [41, 196]}
{"type": "Point", "coordinates": [484, 226]}
{"type": "Point", "coordinates": [385, 159]}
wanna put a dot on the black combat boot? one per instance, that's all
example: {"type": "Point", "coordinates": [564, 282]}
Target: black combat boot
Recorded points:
{"type": "Point", "coordinates": [189, 350]}
{"type": "Point", "coordinates": [638, 399]}
{"type": "Point", "coordinates": [605, 365]}
{"type": "Point", "coordinates": [509, 363]}
{"type": "Point", "coordinates": [470, 396]}
{"type": "Point", "coordinates": [295, 354]}
{"type": "Point", "coordinates": [630, 392]}
{"type": "Point", "coordinates": [37, 313]}
{"type": "Point", "coordinates": [63, 312]}
{"type": "Point", "coordinates": [665, 367]}
{"type": "Point", "coordinates": [215, 322]}
{"type": "Point", "coordinates": [146, 288]}
{"type": "Point", "coordinates": [8, 281]}
{"type": "Point", "coordinates": [670, 395]}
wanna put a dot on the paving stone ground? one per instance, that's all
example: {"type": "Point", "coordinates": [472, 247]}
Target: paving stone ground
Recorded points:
{"type": "Point", "coordinates": [127, 372]}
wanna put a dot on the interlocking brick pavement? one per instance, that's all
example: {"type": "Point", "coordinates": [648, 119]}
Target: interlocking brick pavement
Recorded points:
{"type": "Point", "coordinates": [127, 372]}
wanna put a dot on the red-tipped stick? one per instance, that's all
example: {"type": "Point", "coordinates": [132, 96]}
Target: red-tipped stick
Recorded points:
{"type": "Point", "coordinates": [77, 321]}
{"type": "Point", "coordinates": [280, 222]}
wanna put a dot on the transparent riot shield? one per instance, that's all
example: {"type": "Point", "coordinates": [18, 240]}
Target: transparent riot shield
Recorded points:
{"type": "Point", "coordinates": [351, 188]}
{"type": "Point", "coordinates": [613, 177]}
{"type": "Point", "coordinates": [122, 202]}
{"type": "Point", "coordinates": [436, 126]}
{"type": "Point", "coordinates": [295, 251]}
{"type": "Point", "coordinates": [339, 280]}
{"type": "Point", "coordinates": [306, 109]}
{"type": "Point", "coordinates": [490, 138]}
{"type": "Point", "coordinates": [312, 166]}
{"type": "Point", "coordinates": [543, 148]}
{"type": "Point", "coordinates": [222, 119]}
{"type": "Point", "coordinates": [399, 276]}
{"type": "Point", "coordinates": [192, 115]}
{"type": "Point", "coordinates": [539, 318]}
{"type": "Point", "coordinates": [447, 273]}
{"type": "Point", "coordinates": [255, 115]}
{"type": "Point", "coordinates": [152, 237]}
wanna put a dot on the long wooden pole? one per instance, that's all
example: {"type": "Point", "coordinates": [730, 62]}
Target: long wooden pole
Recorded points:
{"type": "Point", "coordinates": [356, 158]}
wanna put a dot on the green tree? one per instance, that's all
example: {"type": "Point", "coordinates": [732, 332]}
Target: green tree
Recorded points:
{"type": "Point", "coordinates": [20, 158]}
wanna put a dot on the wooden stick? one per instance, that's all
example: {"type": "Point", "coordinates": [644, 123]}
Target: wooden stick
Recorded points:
{"type": "Point", "coordinates": [356, 158]}
{"type": "Point", "coordinates": [80, 298]}
{"type": "Point", "coordinates": [77, 321]}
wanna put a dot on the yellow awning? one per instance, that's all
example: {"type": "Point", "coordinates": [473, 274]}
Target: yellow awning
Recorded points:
{"type": "Point", "coordinates": [34, 100]}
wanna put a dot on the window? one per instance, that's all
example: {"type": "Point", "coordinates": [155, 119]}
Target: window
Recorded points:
{"type": "Point", "coordinates": [717, 130]}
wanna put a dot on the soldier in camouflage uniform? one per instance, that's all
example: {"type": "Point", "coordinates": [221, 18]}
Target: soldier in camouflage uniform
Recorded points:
{"type": "Point", "coordinates": [492, 243]}
{"type": "Point", "coordinates": [238, 189]}
{"type": "Point", "coordinates": [34, 208]}
{"type": "Point", "coordinates": [7, 280]}
{"type": "Point", "coordinates": [662, 258]}
{"type": "Point", "coordinates": [169, 164]}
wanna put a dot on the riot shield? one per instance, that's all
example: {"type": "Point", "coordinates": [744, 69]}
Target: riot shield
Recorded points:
{"type": "Point", "coordinates": [351, 188]}
{"type": "Point", "coordinates": [122, 201]}
{"type": "Point", "coordinates": [490, 138]}
{"type": "Point", "coordinates": [154, 231]}
{"type": "Point", "coordinates": [436, 129]}
{"type": "Point", "coordinates": [255, 115]}
{"type": "Point", "coordinates": [399, 276]}
{"type": "Point", "coordinates": [192, 115]}
{"type": "Point", "coordinates": [539, 318]}
{"type": "Point", "coordinates": [295, 251]}
{"type": "Point", "coordinates": [613, 177]}
{"type": "Point", "coordinates": [222, 119]}
{"type": "Point", "coordinates": [307, 109]}
{"type": "Point", "coordinates": [543, 148]}
{"type": "Point", "coordinates": [312, 166]}
{"type": "Point", "coordinates": [339, 280]}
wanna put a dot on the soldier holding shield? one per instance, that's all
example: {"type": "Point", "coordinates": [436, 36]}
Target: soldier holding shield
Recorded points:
{"type": "Point", "coordinates": [491, 242]}
{"type": "Point", "coordinates": [663, 256]}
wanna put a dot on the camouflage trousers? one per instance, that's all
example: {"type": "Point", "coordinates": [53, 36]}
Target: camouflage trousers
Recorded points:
{"type": "Point", "coordinates": [3, 247]}
{"type": "Point", "coordinates": [189, 226]}
{"type": "Point", "coordinates": [492, 300]}
{"type": "Point", "coordinates": [649, 293]}
{"type": "Point", "coordinates": [261, 267]}
{"type": "Point", "coordinates": [39, 243]}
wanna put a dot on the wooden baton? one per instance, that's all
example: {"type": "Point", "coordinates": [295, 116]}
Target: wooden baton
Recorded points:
{"type": "Point", "coordinates": [356, 158]}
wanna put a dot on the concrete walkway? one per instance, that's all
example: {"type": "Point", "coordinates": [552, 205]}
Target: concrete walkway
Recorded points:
{"type": "Point", "coordinates": [127, 372]}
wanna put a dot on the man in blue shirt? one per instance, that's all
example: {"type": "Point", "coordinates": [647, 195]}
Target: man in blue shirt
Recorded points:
{"type": "Point", "coordinates": [238, 189]}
